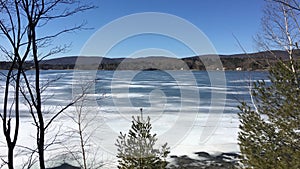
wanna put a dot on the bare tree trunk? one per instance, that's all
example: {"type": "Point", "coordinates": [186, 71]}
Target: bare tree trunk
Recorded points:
{"type": "Point", "coordinates": [6, 123]}
{"type": "Point", "coordinates": [290, 44]}
{"type": "Point", "coordinates": [41, 127]}
{"type": "Point", "coordinates": [7, 128]}
{"type": "Point", "coordinates": [82, 145]}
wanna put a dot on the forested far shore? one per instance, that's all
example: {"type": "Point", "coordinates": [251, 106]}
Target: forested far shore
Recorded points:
{"type": "Point", "coordinates": [247, 62]}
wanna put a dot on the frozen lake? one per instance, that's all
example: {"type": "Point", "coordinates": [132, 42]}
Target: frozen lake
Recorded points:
{"type": "Point", "coordinates": [191, 110]}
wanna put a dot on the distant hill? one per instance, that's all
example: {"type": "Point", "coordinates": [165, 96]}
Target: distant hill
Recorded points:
{"type": "Point", "coordinates": [71, 60]}
{"type": "Point", "coordinates": [252, 61]}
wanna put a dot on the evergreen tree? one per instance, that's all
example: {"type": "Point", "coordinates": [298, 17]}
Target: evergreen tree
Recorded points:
{"type": "Point", "coordinates": [269, 137]}
{"type": "Point", "coordinates": [136, 150]}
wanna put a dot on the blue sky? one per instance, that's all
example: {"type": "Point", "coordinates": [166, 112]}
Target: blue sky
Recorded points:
{"type": "Point", "coordinates": [219, 20]}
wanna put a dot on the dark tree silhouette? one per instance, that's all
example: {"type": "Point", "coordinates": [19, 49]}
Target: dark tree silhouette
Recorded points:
{"type": "Point", "coordinates": [20, 23]}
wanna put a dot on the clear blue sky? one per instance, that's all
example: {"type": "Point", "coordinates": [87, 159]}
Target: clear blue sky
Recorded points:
{"type": "Point", "coordinates": [218, 19]}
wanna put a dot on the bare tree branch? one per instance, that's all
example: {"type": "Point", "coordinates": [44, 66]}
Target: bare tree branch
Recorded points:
{"type": "Point", "coordinates": [296, 5]}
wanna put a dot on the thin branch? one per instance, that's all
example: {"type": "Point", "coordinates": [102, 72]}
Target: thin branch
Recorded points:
{"type": "Point", "coordinates": [62, 110]}
{"type": "Point", "coordinates": [244, 50]}
{"type": "Point", "coordinates": [297, 7]}
{"type": "Point", "coordinates": [67, 13]}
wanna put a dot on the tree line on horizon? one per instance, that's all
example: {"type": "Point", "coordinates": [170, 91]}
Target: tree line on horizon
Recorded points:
{"type": "Point", "coordinates": [247, 62]}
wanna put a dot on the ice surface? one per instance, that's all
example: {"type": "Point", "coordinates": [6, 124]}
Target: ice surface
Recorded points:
{"type": "Point", "coordinates": [181, 113]}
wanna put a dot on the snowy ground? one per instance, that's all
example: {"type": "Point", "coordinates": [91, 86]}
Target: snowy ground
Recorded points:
{"type": "Point", "coordinates": [222, 136]}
